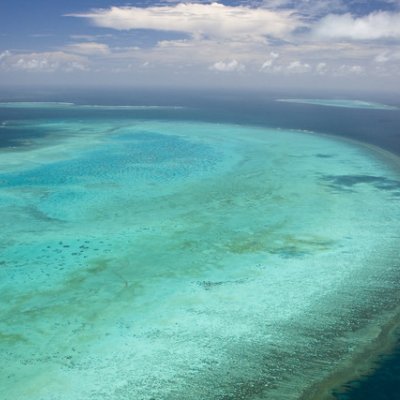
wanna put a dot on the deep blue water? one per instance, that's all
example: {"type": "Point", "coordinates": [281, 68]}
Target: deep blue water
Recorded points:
{"type": "Point", "coordinates": [382, 384]}
{"type": "Point", "coordinates": [377, 127]}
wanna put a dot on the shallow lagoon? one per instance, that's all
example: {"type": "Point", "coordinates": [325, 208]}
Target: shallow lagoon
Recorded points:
{"type": "Point", "coordinates": [151, 259]}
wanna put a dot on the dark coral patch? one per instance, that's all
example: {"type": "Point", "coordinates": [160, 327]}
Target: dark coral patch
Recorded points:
{"type": "Point", "coordinates": [349, 182]}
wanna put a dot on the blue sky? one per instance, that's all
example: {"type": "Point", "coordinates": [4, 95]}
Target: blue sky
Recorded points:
{"type": "Point", "coordinates": [319, 43]}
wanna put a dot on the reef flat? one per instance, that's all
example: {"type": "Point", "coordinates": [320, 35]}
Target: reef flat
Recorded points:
{"type": "Point", "coordinates": [151, 259]}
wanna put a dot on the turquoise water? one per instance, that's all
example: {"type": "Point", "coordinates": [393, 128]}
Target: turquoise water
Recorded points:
{"type": "Point", "coordinates": [143, 258]}
{"type": "Point", "coordinates": [342, 103]}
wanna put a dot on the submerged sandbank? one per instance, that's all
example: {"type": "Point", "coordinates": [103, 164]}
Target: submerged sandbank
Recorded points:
{"type": "Point", "coordinates": [73, 106]}
{"type": "Point", "coordinates": [341, 103]}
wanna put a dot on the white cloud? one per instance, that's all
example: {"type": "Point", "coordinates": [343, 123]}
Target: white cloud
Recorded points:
{"type": "Point", "coordinates": [382, 58]}
{"type": "Point", "coordinates": [4, 55]}
{"type": "Point", "coordinates": [350, 70]}
{"type": "Point", "coordinates": [44, 61]}
{"type": "Point", "coordinates": [377, 25]}
{"type": "Point", "coordinates": [297, 67]}
{"type": "Point", "coordinates": [386, 56]}
{"type": "Point", "coordinates": [88, 48]}
{"type": "Point", "coordinates": [229, 66]}
{"type": "Point", "coordinates": [321, 68]}
{"type": "Point", "coordinates": [270, 61]}
{"type": "Point", "coordinates": [199, 20]}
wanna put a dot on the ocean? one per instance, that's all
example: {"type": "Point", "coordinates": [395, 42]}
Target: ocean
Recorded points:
{"type": "Point", "coordinates": [200, 244]}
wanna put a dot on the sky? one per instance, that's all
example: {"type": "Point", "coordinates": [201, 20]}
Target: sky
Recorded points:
{"type": "Point", "coordinates": [236, 43]}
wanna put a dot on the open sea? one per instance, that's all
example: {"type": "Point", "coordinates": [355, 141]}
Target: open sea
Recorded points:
{"type": "Point", "coordinates": [224, 245]}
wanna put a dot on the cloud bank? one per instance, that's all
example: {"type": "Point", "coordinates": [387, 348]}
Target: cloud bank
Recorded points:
{"type": "Point", "coordinates": [199, 20]}
{"type": "Point", "coordinates": [228, 66]}
{"type": "Point", "coordinates": [88, 48]}
{"type": "Point", "coordinates": [43, 61]}
{"type": "Point", "coordinates": [377, 25]}
{"type": "Point", "coordinates": [270, 40]}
